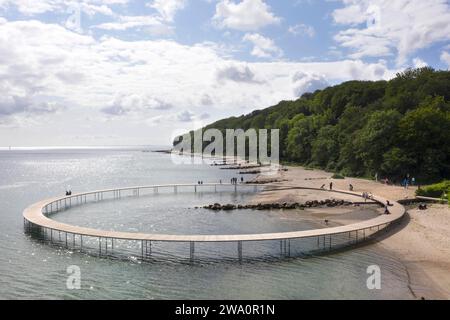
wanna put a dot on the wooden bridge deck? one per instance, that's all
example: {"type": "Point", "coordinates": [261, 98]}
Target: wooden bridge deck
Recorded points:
{"type": "Point", "coordinates": [36, 214]}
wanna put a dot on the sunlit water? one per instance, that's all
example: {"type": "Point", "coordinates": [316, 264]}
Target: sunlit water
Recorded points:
{"type": "Point", "coordinates": [32, 269]}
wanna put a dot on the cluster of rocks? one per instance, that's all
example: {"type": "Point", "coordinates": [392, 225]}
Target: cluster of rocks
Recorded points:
{"type": "Point", "coordinates": [264, 181]}
{"type": "Point", "coordinates": [269, 206]}
{"type": "Point", "coordinates": [250, 172]}
{"type": "Point", "coordinates": [247, 166]}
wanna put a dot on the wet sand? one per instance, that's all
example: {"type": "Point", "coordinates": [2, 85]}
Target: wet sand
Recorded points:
{"type": "Point", "coordinates": [421, 242]}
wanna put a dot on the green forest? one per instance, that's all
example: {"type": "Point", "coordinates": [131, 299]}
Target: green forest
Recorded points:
{"type": "Point", "coordinates": [362, 128]}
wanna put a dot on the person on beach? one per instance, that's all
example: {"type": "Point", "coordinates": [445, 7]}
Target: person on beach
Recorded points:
{"type": "Point", "coordinates": [242, 179]}
{"type": "Point", "coordinates": [322, 187]}
{"type": "Point", "coordinates": [364, 195]}
{"type": "Point", "coordinates": [350, 187]}
{"type": "Point", "coordinates": [331, 185]}
{"type": "Point", "coordinates": [413, 181]}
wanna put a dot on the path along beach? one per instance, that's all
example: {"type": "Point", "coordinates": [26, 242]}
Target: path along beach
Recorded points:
{"type": "Point", "coordinates": [421, 241]}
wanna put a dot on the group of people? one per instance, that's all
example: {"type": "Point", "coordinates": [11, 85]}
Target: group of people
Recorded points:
{"type": "Point", "coordinates": [331, 186]}
{"type": "Point", "coordinates": [407, 181]}
{"type": "Point", "coordinates": [235, 180]}
{"type": "Point", "coordinates": [367, 195]}
{"type": "Point", "coordinates": [68, 193]}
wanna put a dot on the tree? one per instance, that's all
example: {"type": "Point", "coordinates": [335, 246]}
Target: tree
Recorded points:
{"type": "Point", "coordinates": [325, 148]}
{"type": "Point", "coordinates": [362, 127]}
{"type": "Point", "coordinates": [425, 134]}
{"type": "Point", "coordinates": [376, 137]}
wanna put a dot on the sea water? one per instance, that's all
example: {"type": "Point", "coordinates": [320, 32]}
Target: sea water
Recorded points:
{"type": "Point", "coordinates": [31, 269]}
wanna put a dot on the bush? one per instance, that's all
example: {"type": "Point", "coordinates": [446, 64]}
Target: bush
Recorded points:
{"type": "Point", "coordinates": [435, 190]}
{"type": "Point", "coordinates": [337, 176]}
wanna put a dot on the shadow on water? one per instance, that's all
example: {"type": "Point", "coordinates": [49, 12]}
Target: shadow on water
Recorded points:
{"type": "Point", "coordinates": [165, 257]}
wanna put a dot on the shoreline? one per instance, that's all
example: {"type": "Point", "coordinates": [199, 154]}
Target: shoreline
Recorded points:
{"type": "Point", "coordinates": [421, 242]}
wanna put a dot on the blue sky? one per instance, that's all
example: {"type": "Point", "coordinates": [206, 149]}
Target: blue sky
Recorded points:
{"type": "Point", "coordinates": [111, 72]}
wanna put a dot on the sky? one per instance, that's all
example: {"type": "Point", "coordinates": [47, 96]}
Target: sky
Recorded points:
{"type": "Point", "coordinates": [128, 72]}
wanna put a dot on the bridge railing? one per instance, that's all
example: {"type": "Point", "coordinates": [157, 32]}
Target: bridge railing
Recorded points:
{"type": "Point", "coordinates": [37, 221]}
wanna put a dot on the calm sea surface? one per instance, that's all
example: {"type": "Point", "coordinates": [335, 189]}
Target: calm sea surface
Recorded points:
{"type": "Point", "coordinates": [30, 269]}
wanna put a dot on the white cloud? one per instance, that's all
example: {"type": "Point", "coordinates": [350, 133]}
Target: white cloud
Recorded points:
{"type": "Point", "coordinates": [308, 82]}
{"type": "Point", "coordinates": [159, 25]}
{"type": "Point", "coordinates": [236, 73]}
{"type": "Point", "coordinates": [206, 100]}
{"type": "Point", "coordinates": [185, 116]}
{"type": "Point", "coordinates": [262, 47]}
{"type": "Point", "coordinates": [92, 10]}
{"type": "Point", "coordinates": [32, 7]}
{"type": "Point", "coordinates": [379, 28]}
{"type": "Point", "coordinates": [123, 104]}
{"type": "Point", "coordinates": [247, 15]}
{"type": "Point", "coordinates": [302, 29]}
{"type": "Point", "coordinates": [52, 68]}
{"type": "Point", "coordinates": [130, 22]}
{"type": "Point", "coordinates": [12, 104]}
{"type": "Point", "coordinates": [35, 7]}
{"type": "Point", "coordinates": [445, 57]}
{"type": "Point", "coordinates": [419, 63]}
{"type": "Point", "coordinates": [167, 8]}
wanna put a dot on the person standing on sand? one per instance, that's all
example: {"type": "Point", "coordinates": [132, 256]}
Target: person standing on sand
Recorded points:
{"type": "Point", "coordinates": [331, 185]}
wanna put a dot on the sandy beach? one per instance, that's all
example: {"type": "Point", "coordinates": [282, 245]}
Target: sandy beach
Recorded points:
{"type": "Point", "coordinates": [421, 241]}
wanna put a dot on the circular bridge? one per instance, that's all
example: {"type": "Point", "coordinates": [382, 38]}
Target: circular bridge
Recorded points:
{"type": "Point", "coordinates": [37, 221]}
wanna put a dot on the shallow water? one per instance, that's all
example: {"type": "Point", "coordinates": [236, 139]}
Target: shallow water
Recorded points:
{"type": "Point", "coordinates": [32, 269]}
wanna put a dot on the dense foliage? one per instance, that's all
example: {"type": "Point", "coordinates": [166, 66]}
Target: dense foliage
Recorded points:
{"type": "Point", "coordinates": [362, 128]}
{"type": "Point", "coordinates": [437, 190]}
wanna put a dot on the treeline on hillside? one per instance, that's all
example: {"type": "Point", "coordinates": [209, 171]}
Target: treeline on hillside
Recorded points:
{"type": "Point", "coordinates": [361, 128]}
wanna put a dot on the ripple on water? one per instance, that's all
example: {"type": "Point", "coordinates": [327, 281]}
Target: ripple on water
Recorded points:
{"type": "Point", "coordinates": [215, 274]}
